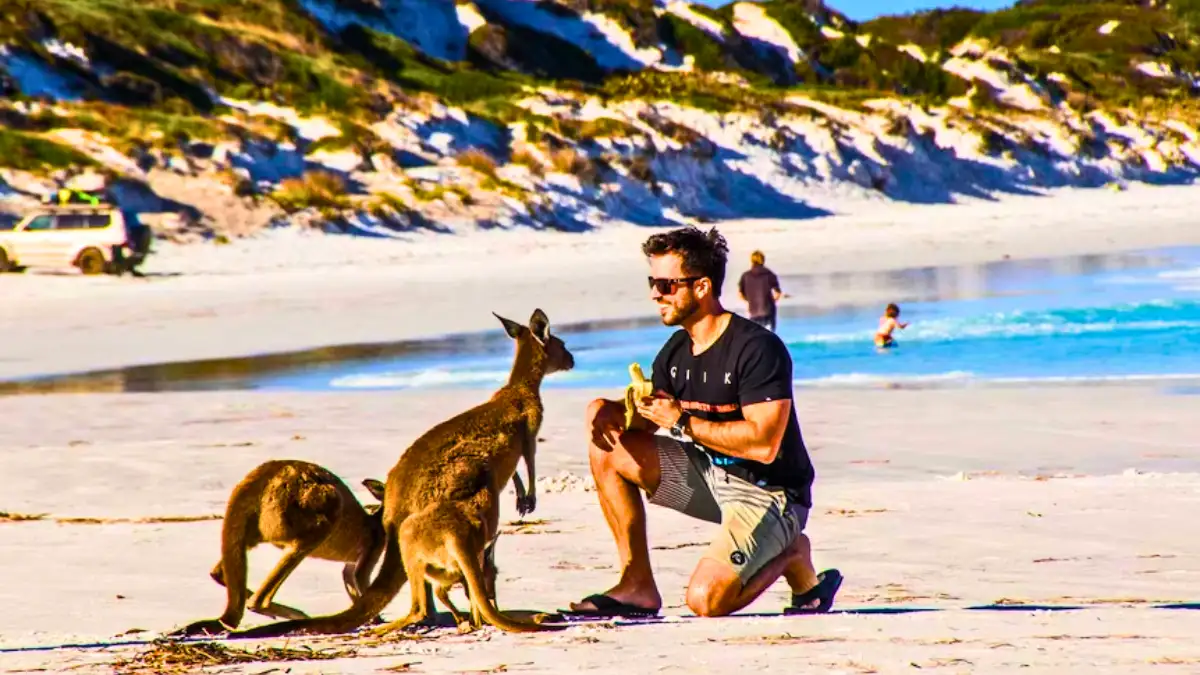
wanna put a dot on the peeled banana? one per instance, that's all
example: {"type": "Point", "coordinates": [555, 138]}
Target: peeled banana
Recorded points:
{"type": "Point", "coordinates": [638, 388]}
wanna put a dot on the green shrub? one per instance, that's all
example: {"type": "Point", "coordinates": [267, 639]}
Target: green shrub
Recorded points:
{"type": "Point", "coordinates": [26, 152]}
{"type": "Point", "coordinates": [321, 190]}
{"type": "Point", "coordinates": [707, 53]}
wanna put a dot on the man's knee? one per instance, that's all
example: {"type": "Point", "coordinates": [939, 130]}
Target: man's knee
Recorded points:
{"type": "Point", "coordinates": [596, 409]}
{"type": "Point", "coordinates": [601, 453]}
{"type": "Point", "coordinates": [593, 409]}
{"type": "Point", "coordinates": [709, 600]}
{"type": "Point", "coordinates": [713, 589]}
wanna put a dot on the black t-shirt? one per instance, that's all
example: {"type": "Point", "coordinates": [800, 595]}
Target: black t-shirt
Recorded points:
{"type": "Point", "coordinates": [748, 364]}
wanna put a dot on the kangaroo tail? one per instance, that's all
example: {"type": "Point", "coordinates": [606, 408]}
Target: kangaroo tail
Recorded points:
{"type": "Point", "coordinates": [473, 575]}
{"type": "Point", "coordinates": [240, 515]}
{"type": "Point", "coordinates": [375, 598]}
{"type": "Point", "coordinates": [233, 560]}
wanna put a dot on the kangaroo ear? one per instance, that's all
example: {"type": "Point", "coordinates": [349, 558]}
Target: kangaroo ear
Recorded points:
{"type": "Point", "coordinates": [374, 487]}
{"type": "Point", "coordinates": [511, 327]}
{"type": "Point", "coordinates": [539, 324]}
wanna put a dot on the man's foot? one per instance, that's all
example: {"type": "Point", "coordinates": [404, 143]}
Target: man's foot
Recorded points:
{"type": "Point", "coordinates": [819, 598]}
{"type": "Point", "coordinates": [602, 605]}
{"type": "Point", "coordinates": [626, 599]}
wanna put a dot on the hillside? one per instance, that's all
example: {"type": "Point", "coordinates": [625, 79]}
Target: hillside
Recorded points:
{"type": "Point", "coordinates": [383, 116]}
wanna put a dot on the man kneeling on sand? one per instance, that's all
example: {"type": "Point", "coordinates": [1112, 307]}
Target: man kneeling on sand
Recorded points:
{"type": "Point", "coordinates": [735, 456]}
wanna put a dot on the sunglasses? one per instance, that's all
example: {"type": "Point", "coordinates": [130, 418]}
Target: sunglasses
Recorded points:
{"type": "Point", "coordinates": [667, 286]}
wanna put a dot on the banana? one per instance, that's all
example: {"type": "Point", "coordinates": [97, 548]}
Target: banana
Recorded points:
{"type": "Point", "coordinates": [638, 388]}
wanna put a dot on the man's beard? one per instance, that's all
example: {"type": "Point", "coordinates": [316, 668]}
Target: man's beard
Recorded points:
{"type": "Point", "coordinates": [677, 315]}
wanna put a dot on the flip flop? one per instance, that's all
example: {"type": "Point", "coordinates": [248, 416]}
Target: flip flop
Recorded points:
{"type": "Point", "coordinates": [828, 583]}
{"type": "Point", "coordinates": [606, 606]}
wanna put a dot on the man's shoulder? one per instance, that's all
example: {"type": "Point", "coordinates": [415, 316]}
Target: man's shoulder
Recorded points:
{"type": "Point", "coordinates": [744, 329]}
{"type": "Point", "coordinates": [672, 343]}
{"type": "Point", "coordinates": [752, 336]}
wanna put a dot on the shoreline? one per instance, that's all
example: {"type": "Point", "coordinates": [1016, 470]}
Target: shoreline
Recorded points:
{"type": "Point", "coordinates": [288, 291]}
{"type": "Point", "coordinates": [144, 380]}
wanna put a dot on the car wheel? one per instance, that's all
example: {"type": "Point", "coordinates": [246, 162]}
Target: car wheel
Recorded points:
{"type": "Point", "coordinates": [91, 261]}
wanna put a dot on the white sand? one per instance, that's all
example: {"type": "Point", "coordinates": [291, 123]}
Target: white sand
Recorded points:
{"type": "Point", "coordinates": [932, 498]}
{"type": "Point", "coordinates": [929, 498]}
{"type": "Point", "coordinates": [288, 291]}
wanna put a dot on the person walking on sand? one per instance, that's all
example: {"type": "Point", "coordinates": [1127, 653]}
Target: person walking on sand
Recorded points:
{"type": "Point", "coordinates": [759, 289]}
{"type": "Point", "coordinates": [888, 323]}
{"type": "Point", "coordinates": [735, 455]}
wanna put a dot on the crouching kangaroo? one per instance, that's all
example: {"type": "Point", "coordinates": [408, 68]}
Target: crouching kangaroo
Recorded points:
{"type": "Point", "coordinates": [305, 510]}
{"type": "Point", "coordinates": [441, 509]}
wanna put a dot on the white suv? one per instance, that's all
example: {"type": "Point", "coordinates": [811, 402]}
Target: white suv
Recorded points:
{"type": "Point", "coordinates": [96, 239]}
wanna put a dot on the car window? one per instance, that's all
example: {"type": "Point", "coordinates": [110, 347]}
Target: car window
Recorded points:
{"type": "Point", "coordinates": [98, 221]}
{"type": "Point", "coordinates": [40, 223]}
{"type": "Point", "coordinates": [7, 224]}
{"type": "Point", "coordinates": [70, 221]}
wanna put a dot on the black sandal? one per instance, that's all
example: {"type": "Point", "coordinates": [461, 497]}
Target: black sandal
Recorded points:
{"type": "Point", "coordinates": [606, 606]}
{"type": "Point", "coordinates": [828, 583]}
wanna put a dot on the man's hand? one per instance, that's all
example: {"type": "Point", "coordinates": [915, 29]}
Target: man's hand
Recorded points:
{"type": "Point", "coordinates": [660, 409]}
{"type": "Point", "coordinates": [607, 426]}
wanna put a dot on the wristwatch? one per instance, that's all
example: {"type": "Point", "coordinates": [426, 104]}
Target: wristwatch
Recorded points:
{"type": "Point", "coordinates": [677, 429]}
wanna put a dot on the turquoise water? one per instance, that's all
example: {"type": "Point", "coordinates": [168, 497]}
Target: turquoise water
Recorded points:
{"type": "Point", "coordinates": [1094, 318]}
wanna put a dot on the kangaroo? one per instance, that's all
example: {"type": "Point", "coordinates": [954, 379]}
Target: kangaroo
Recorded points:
{"type": "Point", "coordinates": [441, 511]}
{"type": "Point", "coordinates": [305, 510]}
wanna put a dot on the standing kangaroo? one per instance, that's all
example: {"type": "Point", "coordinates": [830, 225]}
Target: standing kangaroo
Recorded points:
{"type": "Point", "coordinates": [305, 510]}
{"type": "Point", "coordinates": [441, 510]}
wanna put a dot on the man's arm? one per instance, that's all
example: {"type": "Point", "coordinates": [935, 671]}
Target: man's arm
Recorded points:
{"type": "Point", "coordinates": [765, 390]}
{"type": "Point", "coordinates": [757, 438]}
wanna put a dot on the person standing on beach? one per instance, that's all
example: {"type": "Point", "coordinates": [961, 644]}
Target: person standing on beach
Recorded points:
{"type": "Point", "coordinates": [759, 289]}
{"type": "Point", "coordinates": [735, 456]}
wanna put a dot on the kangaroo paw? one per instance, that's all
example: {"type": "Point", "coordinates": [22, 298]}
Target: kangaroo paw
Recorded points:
{"type": "Point", "coordinates": [526, 504]}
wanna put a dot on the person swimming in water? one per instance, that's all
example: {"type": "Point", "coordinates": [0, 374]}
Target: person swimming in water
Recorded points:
{"type": "Point", "coordinates": [888, 323]}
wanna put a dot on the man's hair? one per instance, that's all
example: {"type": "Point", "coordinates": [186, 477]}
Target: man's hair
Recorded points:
{"type": "Point", "coordinates": [892, 310]}
{"type": "Point", "coordinates": [757, 258]}
{"type": "Point", "coordinates": [704, 253]}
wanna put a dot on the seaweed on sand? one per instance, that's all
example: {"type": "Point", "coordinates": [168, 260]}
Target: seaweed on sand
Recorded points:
{"type": "Point", "coordinates": [171, 657]}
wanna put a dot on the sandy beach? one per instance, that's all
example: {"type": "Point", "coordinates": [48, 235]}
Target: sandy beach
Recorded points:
{"type": "Point", "coordinates": [287, 291]}
{"type": "Point", "coordinates": [942, 499]}
{"type": "Point", "coordinates": [1078, 497]}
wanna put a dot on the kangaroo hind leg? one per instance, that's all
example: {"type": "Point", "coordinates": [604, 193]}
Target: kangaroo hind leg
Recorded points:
{"type": "Point", "coordinates": [414, 567]}
{"type": "Point", "coordinates": [263, 602]}
{"type": "Point", "coordinates": [461, 620]}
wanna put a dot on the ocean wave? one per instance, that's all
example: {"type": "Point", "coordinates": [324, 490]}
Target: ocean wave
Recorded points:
{"type": "Point", "coordinates": [1096, 379]}
{"type": "Point", "coordinates": [1180, 274]}
{"type": "Point", "coordinates": [1154, 315]}
{"type": "Point", "coordinates": [871, 380]}
{"type": "Point", "coordinates": [961, 377]}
